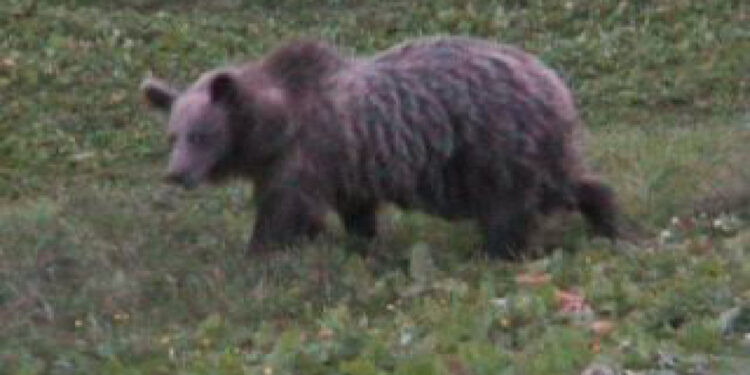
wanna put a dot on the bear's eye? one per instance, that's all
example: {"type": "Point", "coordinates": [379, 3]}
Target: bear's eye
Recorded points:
{"type": "Point", "coordinates": [198, 139]}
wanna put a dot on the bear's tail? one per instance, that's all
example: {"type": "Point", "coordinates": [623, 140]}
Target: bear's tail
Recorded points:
{"type": "Point", "coordinates": [596, 201]}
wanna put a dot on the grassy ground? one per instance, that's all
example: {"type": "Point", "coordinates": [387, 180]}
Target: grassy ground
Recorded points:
{"type": "Point", "coordinates": [103, 269]}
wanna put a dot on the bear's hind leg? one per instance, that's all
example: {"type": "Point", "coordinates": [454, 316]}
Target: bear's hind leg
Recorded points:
{"type": "Point", "coordinates": [597, 204]}
{"type": "Point", "coordinates": [506, 229]}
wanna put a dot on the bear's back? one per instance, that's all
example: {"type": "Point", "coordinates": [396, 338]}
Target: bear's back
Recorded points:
{"type": "Point", "coordinates": [428, 116]}
{"type": "Point", "coordinates": [493, 66]}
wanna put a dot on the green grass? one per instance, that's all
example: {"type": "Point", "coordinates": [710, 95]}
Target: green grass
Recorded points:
{"type": "Point", "coordinates": [103, 269]}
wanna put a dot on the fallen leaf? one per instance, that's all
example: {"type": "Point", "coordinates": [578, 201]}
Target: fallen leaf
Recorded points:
{"type": "Point", "coordinates": [117, 97]}
{"type": "Point", "coordinates": [456, 367]}
{"type": "Point", "coordinates": [533, 279]}
{"type": "Point", "coordinates": [501, 303]}
{"type": "Point", "coordinates": [685, 224]}
{"type": "Point", "coordinates": [598, 369]}
{"type": "Point", "coordinates": [602, 328]}
{"type": "Point", "coordinates": [700, 246]}
{"type": "Point", "coordinates": [325, 333]}
{"type": "Point", "coordinates": [570, 302]}
{"type": "Point", "coordinates": [596, 345]}
{"type": "Point", "coordinates": [574, 306]}
{"type": "Point", "coordinates": [83, 156]}
{"type": "Point", "coordinates": [8, 62]}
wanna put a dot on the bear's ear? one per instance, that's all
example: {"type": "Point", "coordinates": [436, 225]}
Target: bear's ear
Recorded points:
{"type": "Point", "coordinates": [158, 93]}
{"type": "Point", "coordinates": [223, 88]}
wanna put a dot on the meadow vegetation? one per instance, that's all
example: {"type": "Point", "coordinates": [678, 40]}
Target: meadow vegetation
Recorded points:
{"type": "Point", "coordinates": [106, 270]}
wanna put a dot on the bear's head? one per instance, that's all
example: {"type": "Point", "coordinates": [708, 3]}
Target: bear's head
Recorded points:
{"type": "Point", "coordinates": [218, 127]}
{"type": "Point", "coordinates": [238, 120]}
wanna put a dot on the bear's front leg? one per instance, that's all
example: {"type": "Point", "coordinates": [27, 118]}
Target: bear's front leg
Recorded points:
{"type": "Point", "coordinates": [286, 216]}
{"type": "Point", "coordinates": [361, 219]}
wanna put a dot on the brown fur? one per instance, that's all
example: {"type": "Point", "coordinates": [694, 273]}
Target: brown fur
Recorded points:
{"type": "Point", "coordinates": [457, 127]}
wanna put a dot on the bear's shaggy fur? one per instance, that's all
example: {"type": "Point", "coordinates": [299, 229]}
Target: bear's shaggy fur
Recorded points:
{"type": "Point", "coordinates": [457, 127]}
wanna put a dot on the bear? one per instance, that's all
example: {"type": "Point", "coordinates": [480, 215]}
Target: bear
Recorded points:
{"type": "Point", "coordinates": [458, 127]}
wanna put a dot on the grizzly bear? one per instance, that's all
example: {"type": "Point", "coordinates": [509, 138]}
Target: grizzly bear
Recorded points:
{"type": "Point", "coordinates": [458, 127]}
